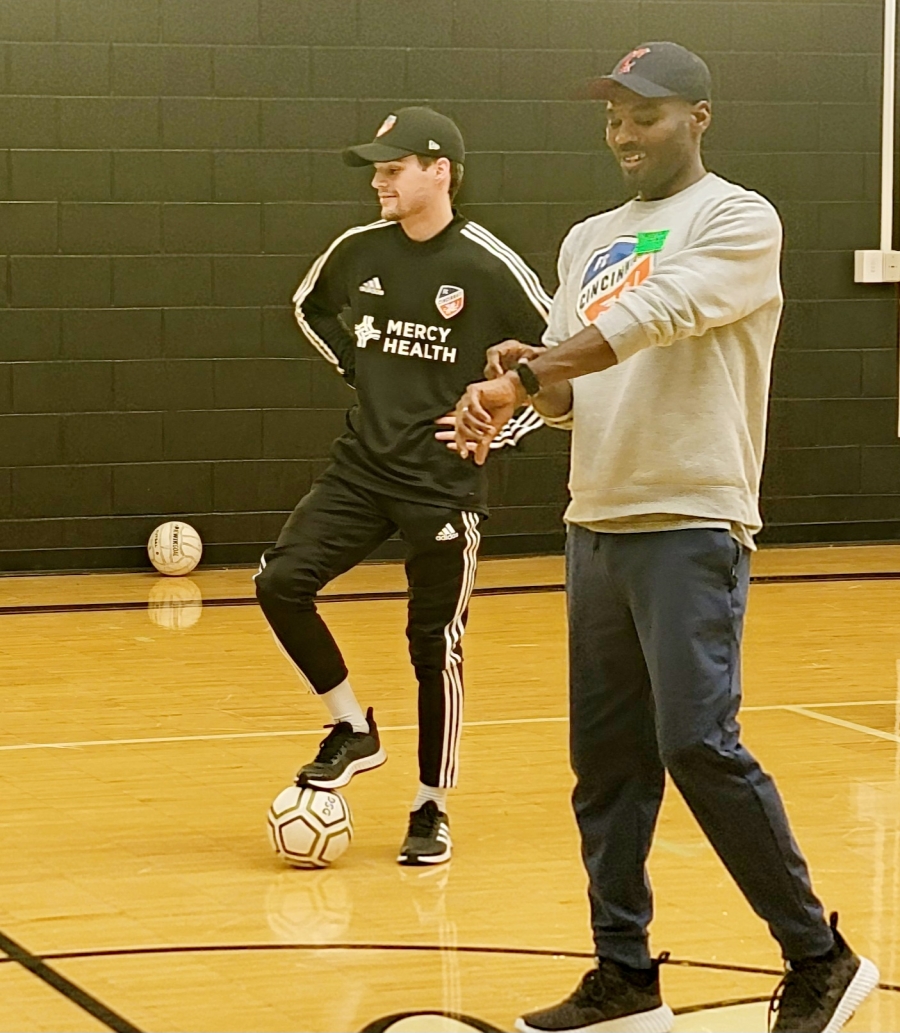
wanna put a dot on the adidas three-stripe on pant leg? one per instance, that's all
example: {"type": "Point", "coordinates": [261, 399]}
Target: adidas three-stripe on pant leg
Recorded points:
{"type": "Point", "coordinates": [440, 569]}
{"type": "Point", "coordinates": [334, 527]}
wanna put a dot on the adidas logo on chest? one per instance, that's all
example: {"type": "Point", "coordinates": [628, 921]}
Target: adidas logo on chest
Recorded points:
{"type": "Point", "coordinates": [372, 286]}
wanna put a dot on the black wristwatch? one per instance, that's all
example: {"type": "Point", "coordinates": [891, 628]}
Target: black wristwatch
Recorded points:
{"type": "Point", "coordinates": [529, 381]}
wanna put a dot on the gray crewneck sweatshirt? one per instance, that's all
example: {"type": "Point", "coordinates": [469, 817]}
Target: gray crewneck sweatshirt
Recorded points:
{"type": "Point", "coordinates": [686, 291]}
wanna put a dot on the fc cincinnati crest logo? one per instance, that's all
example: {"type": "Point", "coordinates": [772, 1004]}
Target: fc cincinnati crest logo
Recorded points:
{"type": "Point", "coordinates": [450, 300]}
{"type": "Point", "coordinates": [610, 272]}
{"type": "Point", "coordinates": [386, 125]}
{"type": "Point", "coordinates": [627, 62]}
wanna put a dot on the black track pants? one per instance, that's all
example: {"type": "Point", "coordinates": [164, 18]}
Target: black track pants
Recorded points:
{"type": "Point", "coordinates": [337, 525]}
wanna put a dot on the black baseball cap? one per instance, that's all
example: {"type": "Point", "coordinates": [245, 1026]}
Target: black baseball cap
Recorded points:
{"type": "Point", "coordinates": [411, 131]}
{"type": "Point", "coordinates": [658, 70]}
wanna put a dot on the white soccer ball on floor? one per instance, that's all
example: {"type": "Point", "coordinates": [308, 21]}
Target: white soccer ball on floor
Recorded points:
{"type": "Point", "coordinates": [175, 548]}
{"type": "Point", "coordinates": [309, 828]}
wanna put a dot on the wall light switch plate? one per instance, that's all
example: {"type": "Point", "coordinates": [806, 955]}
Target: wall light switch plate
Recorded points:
{"type": "Point", "coordinates": [876, 267]}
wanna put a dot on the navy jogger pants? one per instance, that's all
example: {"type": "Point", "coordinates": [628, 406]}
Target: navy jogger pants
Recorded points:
{"type": "Point", "coordinates": [655, 622]}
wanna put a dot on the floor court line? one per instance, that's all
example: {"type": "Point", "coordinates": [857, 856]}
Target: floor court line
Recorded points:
{"type": "Point", "coordinates": [26, 609]}
{"type": "Point", "coordinates": [841, 723]}
{"type": "Point", "coordinates": [256, 735]}
{"type": "Point", "coordinates": [408, 948]}
{"type": "Point", "coordinates": [21, 609]}
{"type": "Point", "coordinates": [18, 955]}
{"type": "Point", "coordinates": [151, 740]}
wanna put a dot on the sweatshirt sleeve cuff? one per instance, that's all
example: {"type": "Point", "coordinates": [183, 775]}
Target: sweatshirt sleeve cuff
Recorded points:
{"type": "Point", "coordinates": [625, 335]}
{"type": "Point", "coordinates": [562, 422]}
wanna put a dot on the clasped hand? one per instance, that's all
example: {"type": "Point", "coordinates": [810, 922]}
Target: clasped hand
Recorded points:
{"type": "Point", "coordinates": [487, 405]}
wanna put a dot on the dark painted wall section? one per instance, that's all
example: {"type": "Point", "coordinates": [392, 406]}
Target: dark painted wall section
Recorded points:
{"type": "Point", "coordinates": [168, 168]}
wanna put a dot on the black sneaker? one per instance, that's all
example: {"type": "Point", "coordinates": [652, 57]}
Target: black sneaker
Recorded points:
{"type": "Point", "coordinates": [428, 838]}
{"type": "Point", "coordinates": [609, 999]}
{"type": "Point", "coordinates": [820, 994]}
{"type": "Point", "coordinates": [342, 754]}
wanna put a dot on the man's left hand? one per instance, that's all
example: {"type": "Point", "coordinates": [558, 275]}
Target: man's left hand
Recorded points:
{"type": "Point", "coordinates": [483, 410]}
{"type": "Point", "coordinates": [447, 432]}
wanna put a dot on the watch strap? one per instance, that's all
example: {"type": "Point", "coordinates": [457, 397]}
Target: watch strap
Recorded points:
{"type": "Point", "coordinates": [526, 375]}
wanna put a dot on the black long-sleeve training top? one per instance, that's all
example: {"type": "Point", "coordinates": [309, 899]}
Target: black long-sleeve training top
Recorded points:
{"type": "Point", "coordinates": [423, 315]}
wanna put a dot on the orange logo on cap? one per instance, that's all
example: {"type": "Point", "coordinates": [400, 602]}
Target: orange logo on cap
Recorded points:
{"type": "Point", "coordinates": [627, 62]}
{"type": "Point", "coordinates": [386, 125]}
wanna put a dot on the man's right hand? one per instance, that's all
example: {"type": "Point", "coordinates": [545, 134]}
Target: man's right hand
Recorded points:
{"type": "Point", "coordinates": [506, 355]}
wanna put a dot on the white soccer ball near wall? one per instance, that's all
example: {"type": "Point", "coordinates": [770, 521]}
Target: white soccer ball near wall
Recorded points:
{"type": "Point", "coordinates": [175, 548]}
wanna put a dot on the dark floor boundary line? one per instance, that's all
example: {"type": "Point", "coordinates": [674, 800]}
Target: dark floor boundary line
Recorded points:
{"type": "Point", "coordinates": [225, 948]}
{"type": "Point", "coordinates": [434, 948]}
{"type": "Point", "coordinates": [249, 600]}
{"type": "Point", "coordinates": [793, 579]}
{"type": "Point", "coordinates": [375, 597]}
{"type": "Point", "coordinates": [728, 1002]}
{"type": "Point", "coordinates": [79, 997]}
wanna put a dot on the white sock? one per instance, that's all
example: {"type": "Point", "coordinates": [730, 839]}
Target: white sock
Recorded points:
{"type": "Point", "coordinates": [343, 706]}
{"type": "Point", "coordinates": [427, 793]}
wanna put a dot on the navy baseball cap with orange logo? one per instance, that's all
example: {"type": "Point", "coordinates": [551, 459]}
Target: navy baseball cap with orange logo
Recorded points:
{"type": "Point", "coordinates": [658, 70]}
{"type": "Point", "coordinates": [416, 130]}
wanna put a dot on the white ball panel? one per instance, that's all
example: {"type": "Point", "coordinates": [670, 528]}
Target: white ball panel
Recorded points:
{"type": "Point", "coordinates": [285, 802]}
{"type": "Point", "coordinates": [298, 838]}
{"type": "Point", "coordinates": [334, 844]}
{"type": "Point", "coordinates": [328, 808]}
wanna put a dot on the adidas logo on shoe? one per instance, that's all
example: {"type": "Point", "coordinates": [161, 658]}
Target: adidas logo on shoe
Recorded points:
{"type": "Point", "coordinates": [372, 286]}
{"type": "Point", "coordinates": [446, 534]}
{"type": "Point", "coordinates": [428, 839]}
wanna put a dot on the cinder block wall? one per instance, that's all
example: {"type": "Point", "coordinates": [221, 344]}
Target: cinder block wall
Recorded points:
{"type": "Point", "coordinates": [170, 167]}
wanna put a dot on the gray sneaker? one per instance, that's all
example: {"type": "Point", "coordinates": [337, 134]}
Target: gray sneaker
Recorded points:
{"type": "Point", "coordinates": [607, 999]}
{"type": "Point", "coordinates": [428, 838]}
{"type": "Point", "coordinates": [342, 754]}
{"type": "Point", "coordinates": [819, 995]}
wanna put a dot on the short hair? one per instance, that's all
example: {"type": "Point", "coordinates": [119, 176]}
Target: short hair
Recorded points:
{"type": "Point", "coordinates": [456, 172]}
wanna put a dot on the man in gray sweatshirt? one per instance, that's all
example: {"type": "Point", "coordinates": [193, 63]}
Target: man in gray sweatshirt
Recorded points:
{"type": "Point", "coordinates": [661, 335]}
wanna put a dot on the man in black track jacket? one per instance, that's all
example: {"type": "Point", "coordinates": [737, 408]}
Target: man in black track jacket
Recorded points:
{"type": "Point", "coordinates": [404, 309]}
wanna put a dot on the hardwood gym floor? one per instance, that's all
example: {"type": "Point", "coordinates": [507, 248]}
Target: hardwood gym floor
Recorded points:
{"type": "Point", "coordinates": [148, 723]}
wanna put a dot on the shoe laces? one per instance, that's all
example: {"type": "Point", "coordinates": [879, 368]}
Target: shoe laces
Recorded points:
{"type": "Point", "coordinates": [803, 985]}
{"type": "Point", "coordinates": [593, 987]}
{"type": "Point", "coordinates": [798, 993]}
{"type": "Point", "coordinates": [333, 743]}
{"type": "Point", "coordinates": [424, 821]}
